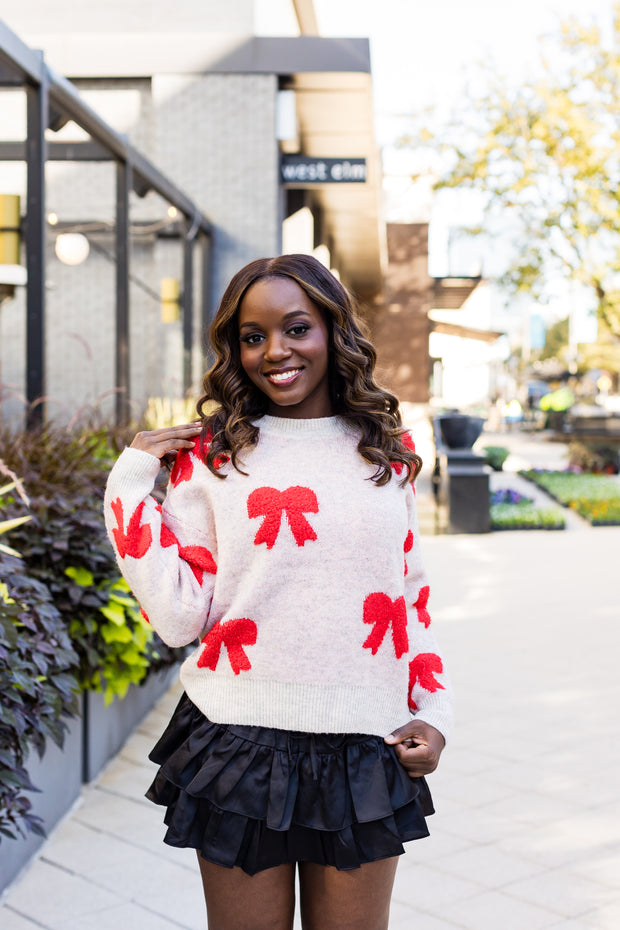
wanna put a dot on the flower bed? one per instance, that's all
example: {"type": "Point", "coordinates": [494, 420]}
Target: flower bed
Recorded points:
{"type": "Point", "coordinates": [594, 497]}
{"type": "Point", "coordinates": [511, 510]}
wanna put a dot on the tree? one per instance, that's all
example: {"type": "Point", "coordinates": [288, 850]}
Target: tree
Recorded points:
{"type": "Point", "coordinates": [546, 155]}
{"type": "Point", "coordinates": [556, 340]}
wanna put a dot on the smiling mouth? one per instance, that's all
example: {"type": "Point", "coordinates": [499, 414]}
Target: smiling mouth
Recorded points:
{"type": "Point", "coordinates": [284, 377]}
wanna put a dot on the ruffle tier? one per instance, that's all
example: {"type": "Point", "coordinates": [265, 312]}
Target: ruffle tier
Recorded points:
{"type": "Point", "coordinates": [256, 797]}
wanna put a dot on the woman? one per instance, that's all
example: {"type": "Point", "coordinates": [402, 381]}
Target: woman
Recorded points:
{"type": "Point", "coordinates": [288, 547]}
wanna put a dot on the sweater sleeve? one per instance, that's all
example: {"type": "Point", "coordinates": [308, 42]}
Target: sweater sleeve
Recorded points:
{"type": "Point", "coordinates": [430, 693]}
{"type": "Point", "coordinates": [164, 552]}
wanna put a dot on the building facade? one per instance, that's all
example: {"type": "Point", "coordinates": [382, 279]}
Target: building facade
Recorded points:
{"type": "Point", "coordinates": [201, 95]}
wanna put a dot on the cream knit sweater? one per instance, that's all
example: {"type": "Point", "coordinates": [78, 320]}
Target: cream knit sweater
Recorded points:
{"type": "Point", "coordinates": [302, 581]}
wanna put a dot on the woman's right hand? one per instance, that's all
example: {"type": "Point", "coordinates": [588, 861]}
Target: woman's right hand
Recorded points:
{"type": "Point", "coordinates": [161, 442]}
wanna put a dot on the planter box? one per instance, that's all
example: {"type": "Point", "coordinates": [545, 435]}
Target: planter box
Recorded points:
{"type": "Point", "coordinates": [107, 728]}
{"type": "Point", "coordinates": [468, 498]}
{"type": "Point", "coordinates": [59, 777]}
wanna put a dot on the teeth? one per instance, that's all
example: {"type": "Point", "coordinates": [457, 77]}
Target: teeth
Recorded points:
{"type": "Point", "coordinates": [284, 375]}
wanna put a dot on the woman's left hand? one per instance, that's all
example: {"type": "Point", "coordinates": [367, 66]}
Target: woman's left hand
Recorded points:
{"type": "Point", "coordinates": [418, 746]}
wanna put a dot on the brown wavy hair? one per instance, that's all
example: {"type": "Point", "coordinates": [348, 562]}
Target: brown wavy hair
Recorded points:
{"type": "Point", "coordinates": [355, 396]}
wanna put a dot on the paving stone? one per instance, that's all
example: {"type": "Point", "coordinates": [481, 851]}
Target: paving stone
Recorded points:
{"type": "Point", "coordinates": [488, 866]}
{"type": "Point", "coordinates": [604, 917]}
{"type": "Point", "coordinates": [409, 916]}
{"type": "Point", "coordinates": [559, 891]}
{"type": "Point", "coordinates": [482, 826]}
{"type": "Point", "coordinates": [128, 778]}
{"type": "Point", "coordinates": [52, 896]}
{"type": "Point", "coordinates": [137, 749]}
{"type": "Point", "coordinates": [433, 847]}
{"type": "Point", "coordinates": [494, 909]}
{"type": "Point", "coordinates": [602, 866]}
{"type": "Point", "coordinates": [11, 920]}
{"type": "Point", "coordinates": [568, 924]}
{"type": "Point", "coordinates": [129, 917]}
{"type": "Point", "coordinates": [429, 885]}
{"type": "Point", "coordinates": [83, 850]}
{"type": "Point", "coordinates": [530, 808]}
{"type": "Point", "coordinates": [112, 814]}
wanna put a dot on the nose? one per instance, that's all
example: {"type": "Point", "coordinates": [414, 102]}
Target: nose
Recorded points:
{"type": "Point", "coordinates": [276, 348]}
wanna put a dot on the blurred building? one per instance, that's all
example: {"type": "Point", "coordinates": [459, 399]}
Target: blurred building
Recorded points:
{"type": "Point", "coordinates": [246, 125]}
{"type": "Point", "coordinates": [432, 343]}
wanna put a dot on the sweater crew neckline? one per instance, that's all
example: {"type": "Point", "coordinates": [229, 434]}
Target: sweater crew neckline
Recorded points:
{"type": "Point", "coordinates": [287, 426]}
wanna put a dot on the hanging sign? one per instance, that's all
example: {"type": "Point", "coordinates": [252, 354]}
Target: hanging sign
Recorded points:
{"type": "Point", "coordinates": [306, 169]}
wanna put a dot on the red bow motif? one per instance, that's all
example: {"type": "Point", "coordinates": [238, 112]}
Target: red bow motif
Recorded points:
{"type": "Point", "coordinates": [166, 536]}
{"type": "Point", "coordinates": [382, 612]}
{"type": "Point", "coordinates": [136, 539]}
{"type": "Point", "coordinates": [408, 546]}
{"type": "Point", "coordinates": [199, 558]}
{"type": "Point", "coordinates": [270, 504]}
{"type": "Point", "coordinates": [408, 442]}
{"type": "Point", "coordinates": [422, 671]}
{"type": "Point", "coordinates": [234, 635]}
{"type": "Point", "coordinates": [420, 605]}
{"type": "Point", "coordinates": [201, 450]}
{"type": "Point", "coordinates": [183, 467]}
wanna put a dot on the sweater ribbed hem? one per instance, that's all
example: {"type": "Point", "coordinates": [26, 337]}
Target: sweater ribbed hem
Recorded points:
{"type": "Point", "coordinates": [296, 706]}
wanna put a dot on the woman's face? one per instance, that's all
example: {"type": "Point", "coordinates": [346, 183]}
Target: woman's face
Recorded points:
{"type": "Point", "coordinates": [284, 348]}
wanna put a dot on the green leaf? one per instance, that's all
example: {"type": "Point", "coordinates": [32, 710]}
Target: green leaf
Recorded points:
{"type": "Point", "coordinates": [114, 613]}
{"type": "Point", "coordinates": [8, 551]}
{"type": "Point", "coordinates": [116, 634]}
{"type": "Point", "coordinates": [80, 575]}
{"type": "Point", "coordinates": [6, 525]}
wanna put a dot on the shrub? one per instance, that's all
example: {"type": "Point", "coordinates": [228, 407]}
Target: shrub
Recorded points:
{"type": "Point", "coordinates": [496, 456]}
{"type": "Point", "coordinates": [37, 682]}
{"type": "Point", "coordinates": [37, 688]}
{"type": "Point", "coordinates": [65, 546]}
{"type": "Point", "coordinates": [131, 646]}
{"type": "Point", "coordinates": [593, 457]}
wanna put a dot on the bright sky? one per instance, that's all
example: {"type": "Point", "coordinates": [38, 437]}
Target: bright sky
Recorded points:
{"type": "Point", "coordinates": [422, 56]}
{"type": "Point", "coordinates": [422, 52]}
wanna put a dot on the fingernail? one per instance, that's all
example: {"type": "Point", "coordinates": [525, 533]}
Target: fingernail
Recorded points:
{"type": "Point", "coordinates": [389, 738]}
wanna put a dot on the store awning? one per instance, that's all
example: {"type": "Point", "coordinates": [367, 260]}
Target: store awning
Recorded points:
{"type": "Point", "coordinates": [450, 293]}
{"type": "Point", "coordinates": [465, 332]}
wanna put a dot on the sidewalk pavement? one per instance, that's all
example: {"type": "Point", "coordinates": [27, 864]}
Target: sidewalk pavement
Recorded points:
{"type": "Point", "coordinates": [527, 830]}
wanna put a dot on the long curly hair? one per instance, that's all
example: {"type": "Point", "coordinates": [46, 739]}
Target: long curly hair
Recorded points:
{"type": "Point", "coordinates": [355, 396]}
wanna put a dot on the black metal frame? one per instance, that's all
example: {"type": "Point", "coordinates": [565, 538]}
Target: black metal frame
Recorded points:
{"type": "Point", "coordinates": [51, 101]}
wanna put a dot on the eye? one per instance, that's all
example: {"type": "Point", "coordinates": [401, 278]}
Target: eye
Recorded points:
{"type": "Point", "coordinates": [299, 329]}
{"type": "Point", "coordinates": [252, 339]}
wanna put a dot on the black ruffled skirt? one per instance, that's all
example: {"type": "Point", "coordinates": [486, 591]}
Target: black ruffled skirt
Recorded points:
{"type": "Point", "coordinates": [256, 797]}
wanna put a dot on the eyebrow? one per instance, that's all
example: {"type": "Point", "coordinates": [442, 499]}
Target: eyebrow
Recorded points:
{"type": "Point", "coordinates": [285, 318]}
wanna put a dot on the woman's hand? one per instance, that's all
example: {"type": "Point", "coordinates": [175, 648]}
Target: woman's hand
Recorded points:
{"type": "Point", "coordinates": [162, 442]}
{"type": "Point", "coordinates": [418, 746]}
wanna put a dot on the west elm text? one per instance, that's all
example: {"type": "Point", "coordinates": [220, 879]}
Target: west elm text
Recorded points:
{"type": "Point", "coordinates": [296, 168]}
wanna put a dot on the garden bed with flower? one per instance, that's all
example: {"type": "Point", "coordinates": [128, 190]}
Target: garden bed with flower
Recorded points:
{"type": "Point", "coordinates": [594, 497]}
{"type": "Point", "coordinates": [511, 510]}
